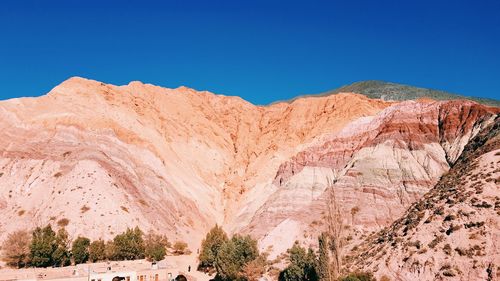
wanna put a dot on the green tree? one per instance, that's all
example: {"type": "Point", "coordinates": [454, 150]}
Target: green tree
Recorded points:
{"type": "Point", "coordinates": [155, 247]}
{"type": "Point", "coordinates": [234, 255]}
{"type": "Point", "coordinates": [16, 248]}
{"type": "Point", "coordinates": [323, 265]}
{"type": "Point", "coordinates": [97, 250]}
{"type": "Point", "coordinates": [210, 247]}
{"type": "Point", "coordinates": [80, 250]}
{"type": "Point", "coordinates": [61, 254]}
{"type": "Point", "coordinates": [301, 266]}
{"type": "Point", "coordinates": [129, 245]}
{"type": "Point", "coordinates": [43, 244]}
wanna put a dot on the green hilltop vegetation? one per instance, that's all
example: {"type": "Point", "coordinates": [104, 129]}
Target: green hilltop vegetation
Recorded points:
{"type": "Point", "coordinates": [392, 91]}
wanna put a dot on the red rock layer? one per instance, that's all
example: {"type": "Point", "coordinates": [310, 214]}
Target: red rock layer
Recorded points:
{"type": "Point", "coordinates": [407, 127]}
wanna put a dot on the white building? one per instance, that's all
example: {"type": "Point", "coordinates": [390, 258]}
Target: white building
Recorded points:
{"type": "Point", "coordinates": [127, 275]}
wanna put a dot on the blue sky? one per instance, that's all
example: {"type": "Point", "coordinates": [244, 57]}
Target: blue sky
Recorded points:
{"type": "Point", "coordinates": [262, 51]}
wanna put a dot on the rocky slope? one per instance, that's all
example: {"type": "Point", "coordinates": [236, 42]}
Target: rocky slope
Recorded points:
{"type": "Point", "coordinates": [453, 231]}
{"type": "Point", "coordinates": [377, 166]}
{"type": "Point", "coordinates": [99, 158]}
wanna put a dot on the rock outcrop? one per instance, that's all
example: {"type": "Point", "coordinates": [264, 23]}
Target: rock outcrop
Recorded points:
{"type": "Point", "coordinates": [453, 231]}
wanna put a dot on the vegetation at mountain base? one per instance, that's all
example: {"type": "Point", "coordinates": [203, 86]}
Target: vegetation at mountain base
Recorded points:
{"type": "Point", "coordinates": [128, 245]}
{"type": "Point", "coordinates": [97, 250]}
{"type": "Point", "coordinates": [308, 265]}
{"type": "Point", "coordinates": [155, 247]}
{"type": "Point", "coordinates": [323, 263]}
{"type": "Point", "coordinates": [237, 258]}
{"type": "Point", "coordinates": [61, 255]}
{"type": "Point", "coordinates": [180, 248]}
{"type": "Point", "coordinates": [210, 247]}
{"type": "Point", "coordinates": [44, 247]}
{"type": "Point", "coordinates": [16, 248]}
{"type": "Point", "coordinates": [80, 250]}
{"type": "Point", "coordinates": [234, 255]}
{"type": "Point", "coordinates": [302, 265]}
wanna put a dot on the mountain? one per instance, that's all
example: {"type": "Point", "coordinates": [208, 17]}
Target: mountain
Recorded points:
{"type": "Point", "coordinates": [99, 158]}
{"type": "Point", "coordinates": [398, 92]}
{"type": "Point", "coordinates": [378, 166]}
{"type": "Point", "coordinates": [453, 231]}
{"type": "Point", "coordinates": [175, 160]}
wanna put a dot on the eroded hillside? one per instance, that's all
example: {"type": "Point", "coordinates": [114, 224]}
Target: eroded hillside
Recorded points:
{"type": "Point", "coordinates": [99, 158]}
{"type": "Point", "coordinates": [453, 231]}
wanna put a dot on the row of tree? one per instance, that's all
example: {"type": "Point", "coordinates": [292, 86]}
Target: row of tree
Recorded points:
{"type": "Point", "coordinates": [44, 247]}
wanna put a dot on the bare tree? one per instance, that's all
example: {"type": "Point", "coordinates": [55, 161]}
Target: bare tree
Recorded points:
{"type": "Point", "coordinates": [16, 249]}
{"type": "Point", "coordinates": [334, 230]}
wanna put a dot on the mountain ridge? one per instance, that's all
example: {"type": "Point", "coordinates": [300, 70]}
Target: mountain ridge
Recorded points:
{"type": "Point", "coordinates": [398, 92]}
{"type": "Point", "coordinates": [375, 89]}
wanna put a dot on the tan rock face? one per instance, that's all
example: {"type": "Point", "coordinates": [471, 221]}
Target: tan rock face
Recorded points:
{"type": "Point", "coordinates": [177, 161]}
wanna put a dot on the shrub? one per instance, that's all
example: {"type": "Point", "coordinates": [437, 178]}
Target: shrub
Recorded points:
{"type": "Point", "coordinates": [80, 250]}
{"type": "Point", "coordinates": [447, 249]}
{"type": "Point", "coordinates": [449, 273]}
{"type": "Point", "coordinates": [450, 217]}
{"type": "Point", "coordinates": [63, 222]}
{"type": "Point", "coordinates": [155, 247]}
{"type": "Point", "coordinates": [210, 246]}
{"type": "Point", "coordinates": [16, 248]}
{"type": "Point", "coordinates": [385, 278]}
{"type": "Point", "coordinates": [180, 248]}
{"type": "Point", "coordinates": [97, 251]}
{"type": "Point", "coordinates": [358, 276]}
{"type": "Point", "coordinates": [255, 269]}
{"type": "Point", "coordinates": [452, 229]}
{"type": "Point", "coordinates": [436, 241]}
{"type": "Point", "coordinates": [301, 265]}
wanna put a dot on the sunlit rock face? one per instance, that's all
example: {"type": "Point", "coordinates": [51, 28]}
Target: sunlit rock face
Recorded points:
{"type": "Point", "coordinates": [377, 166]}
{"type": "Point", "coordinates": [172, 160]}
{"type": "Point", "coordinates": [452, 231]}
{"type": "Point", "coordinates": [177, 161]}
